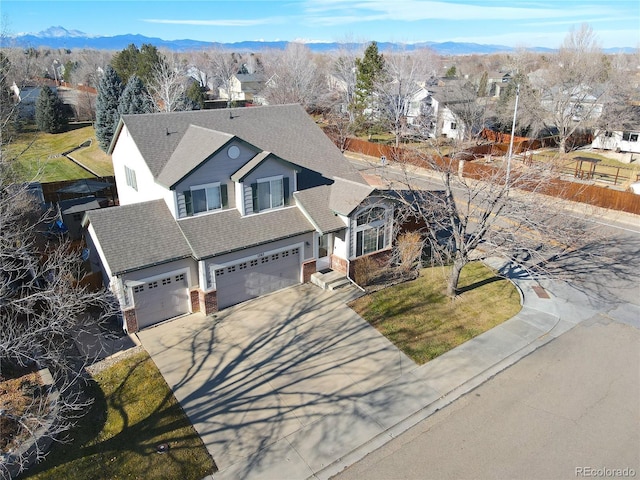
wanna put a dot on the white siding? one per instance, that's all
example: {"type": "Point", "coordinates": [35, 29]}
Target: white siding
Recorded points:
{"type": "Point", "coordinates": [97, 259]}
{"type": "Point", "coordinates": [158, 270]}
{"type": "Point", "coordinates": [340, 243]}
{"type": "Point", "coordinates": [126, 153]}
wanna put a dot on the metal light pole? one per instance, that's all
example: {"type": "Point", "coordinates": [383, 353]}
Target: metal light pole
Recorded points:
{"type": "Point", "coordinates": [513, 129]}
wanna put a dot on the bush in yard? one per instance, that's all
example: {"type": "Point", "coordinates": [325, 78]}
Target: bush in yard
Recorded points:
{"type": "Point", "coordinates": [365, 270]}
{"type": "Point", "coordinates": [50, 112]}
{"type": "Point", "coordinates": [408, 251]}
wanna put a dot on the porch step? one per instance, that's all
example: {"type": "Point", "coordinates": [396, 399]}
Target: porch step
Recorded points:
{"type": "Point", "coordinates": [330, 280]}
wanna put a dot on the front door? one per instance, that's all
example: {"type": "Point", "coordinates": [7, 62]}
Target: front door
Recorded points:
{"type": "Point", "coordinates": [324, 252]}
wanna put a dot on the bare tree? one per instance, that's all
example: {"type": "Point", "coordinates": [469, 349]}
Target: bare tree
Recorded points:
{"type": "Point", "coordinates": [489, 211]}
{"type": "Point", "coordinates": [89, 65]}
{"type": "Point", "coordinates": [571, 92]}
{"type": "Point", "coordinates": [223, 65]}
{"type": "Point", "coordinates": [405, 74]}
{"type": "Point", "coordinates": [44, 306]}
{"type": "Point", "coordinates": [293, 77]}
{"type": "Point", "coordinates": [342, 77]}
{"type": "Point", "coordinates": [168, 86]}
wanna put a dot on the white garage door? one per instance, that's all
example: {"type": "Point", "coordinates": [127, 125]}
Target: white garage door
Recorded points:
{"type": "Point", "coordinates": [161, 299]}
{"type": "Point", "coordinates": [249, 279]}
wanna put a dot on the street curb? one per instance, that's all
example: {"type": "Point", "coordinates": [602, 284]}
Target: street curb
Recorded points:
{"type": "Point", "coordinates": [412, 420]}
{"type": "Point", "coordinates": [448, 398]}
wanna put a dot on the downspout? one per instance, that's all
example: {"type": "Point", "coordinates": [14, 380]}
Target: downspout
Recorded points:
{"type": "Point", "coordinates": [351, 279]}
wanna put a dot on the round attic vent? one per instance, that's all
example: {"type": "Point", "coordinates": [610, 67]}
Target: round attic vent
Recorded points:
{"type": "Point", "coordinates": [233, 152]}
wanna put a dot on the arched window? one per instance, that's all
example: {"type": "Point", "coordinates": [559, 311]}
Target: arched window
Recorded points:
{"type": "Point", "coordinates": [370, 231]}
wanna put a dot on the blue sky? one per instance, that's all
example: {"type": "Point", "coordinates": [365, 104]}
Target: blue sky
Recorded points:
{"type": "Point", "coordinates": [514, 23]}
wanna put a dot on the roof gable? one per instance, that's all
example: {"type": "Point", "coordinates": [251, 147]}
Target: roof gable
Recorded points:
{"type": "Point", "coordinates": [285, 130]}
{"type": "Point", "coordinates": [347, 195]}
{"type": "Point", "coordinates": [195, 147]}
{"type": "Point", "coordinates": [255, 162]}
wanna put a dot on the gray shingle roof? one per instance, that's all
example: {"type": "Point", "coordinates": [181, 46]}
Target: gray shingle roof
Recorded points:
{"type": "Point", "coordinates": [314, 202]}
{"type": "Point", "coordinates": [285, 130]}
{"type": "Point", "coordinates": [194, 147]}
{"type": "Point", "coordinates": [346, 195]}
{"type": "Point", "coordinates": [138, 235]}
{"type": "Point", "coordinates": [248, 167]}
{"type": "Point", "coordinates": [228, 231]}
{"type": "Point", "coordinates": [252, 164]}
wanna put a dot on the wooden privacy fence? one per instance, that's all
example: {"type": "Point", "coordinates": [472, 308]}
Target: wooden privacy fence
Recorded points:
{"type": "Point", "coordinates": [578, 192]}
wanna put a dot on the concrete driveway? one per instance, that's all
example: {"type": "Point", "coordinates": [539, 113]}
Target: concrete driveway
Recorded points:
{"type": "Point", "coordinates": [273, 385]}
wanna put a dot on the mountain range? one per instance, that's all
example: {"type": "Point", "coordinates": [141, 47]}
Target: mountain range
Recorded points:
{"type": "Point", "coordinates": [59, 37]}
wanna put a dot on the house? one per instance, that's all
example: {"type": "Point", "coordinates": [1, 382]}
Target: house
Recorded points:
{"type": "Point", "coordinates": [497, 82]}
{"type": "Point", "coordinates": [243, 87]}
{"type": "Point", "coordinates": [623, 137]}
{"type": "Point", "coordinates": [437, 109]}
{"type": "Point", "coordinates": [221, 206]}
{"type": "Point", "coordinates": [26, 97]}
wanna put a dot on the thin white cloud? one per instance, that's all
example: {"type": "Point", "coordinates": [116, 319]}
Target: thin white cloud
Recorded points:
{"type": "Point", "coordinates": [329, 12]}
{"type": "Point", "coordinates": [217, 22]}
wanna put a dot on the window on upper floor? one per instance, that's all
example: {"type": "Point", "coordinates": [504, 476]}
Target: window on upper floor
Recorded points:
{"type": "Point", "coordinates": [454, 126]}
{"type": "Point", "coordinates": [370, 231]}
{"type": "Point", "coordinates": [130, 175]}
{"type": "Point", "coordinates": [269, 193]}
{"type": "Point", "coordinates": [629, 137]}
{"type": "Point", "coordinates": [205, 198]}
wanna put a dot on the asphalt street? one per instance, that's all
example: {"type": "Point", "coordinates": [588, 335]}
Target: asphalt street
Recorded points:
{"type": "Point", "coordinates": [569, 410]}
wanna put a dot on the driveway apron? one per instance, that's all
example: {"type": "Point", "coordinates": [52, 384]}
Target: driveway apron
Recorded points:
{"type": "Point", "coordinates": [273, 385]}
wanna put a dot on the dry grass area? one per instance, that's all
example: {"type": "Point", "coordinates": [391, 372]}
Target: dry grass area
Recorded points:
{"type": "Point", "coordinates": [419, 318]}
{"type": "Point", "coordinates": [134, 413]}
{"type": "Point", "coordinates": [19, 394]}
{"type": "Point", "coordinates": [37, 154]}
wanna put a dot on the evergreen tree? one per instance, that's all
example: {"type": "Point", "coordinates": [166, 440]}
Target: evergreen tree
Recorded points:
{"type": "Point", "coordinates": [369, 70]}
{"type": "Point", "coordinates": [133, 61]}
{"type": "Point", "coordinates": [196, 96]}
{"type": "Point", "coordinates": [7, 109]}
{"type": "Point", "coordinates": [50, 116]}
{"type": "Point", "coordinates": [107, 115]}
{"type": "Point", "coordinates": [134, 98]}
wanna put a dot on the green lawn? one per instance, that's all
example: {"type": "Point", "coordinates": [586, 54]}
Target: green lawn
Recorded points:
{"type": "Point", "coordinates": [135, 411]}
{"type": "Point", "coordinates": [37, 155]}
{"type": "Point", "coordinates": [419, 318]}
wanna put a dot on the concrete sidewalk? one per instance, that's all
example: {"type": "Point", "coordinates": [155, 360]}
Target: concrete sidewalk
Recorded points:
{"type": "Point", "coordinates": [379, 414]}
{"type": "Point", "coordinates": [428, 388]}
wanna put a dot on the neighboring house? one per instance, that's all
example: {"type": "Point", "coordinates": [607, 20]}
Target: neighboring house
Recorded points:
{"type": "Point", "coordinates": [26, 98]}
{"type": "Point", "coordinates": [221, 206]}
{"type": "Point", "coordinates": [201, 77]}
{"type": "Point", "coordinates": [623, 141]}
{"type": "Point", "coordinates": [496, 82]}
{"type": "Point", "coordinates": [434, 109]}
{"type": "Point", "coordinates": [624, 137]}
{"type": "Point", "coordinates": [243, 87]}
